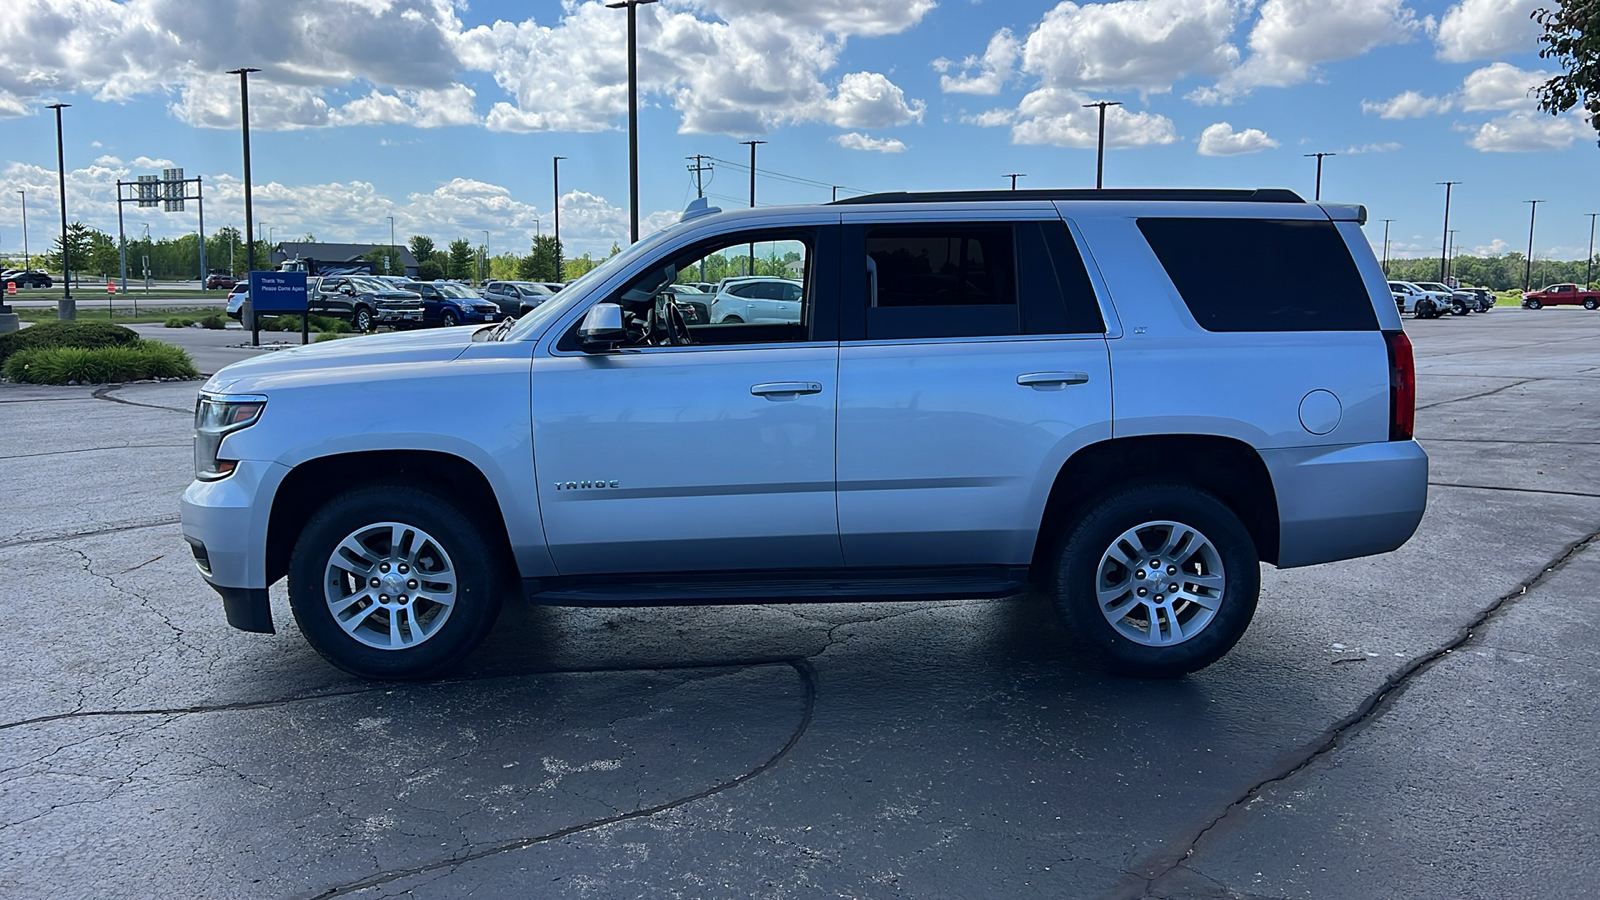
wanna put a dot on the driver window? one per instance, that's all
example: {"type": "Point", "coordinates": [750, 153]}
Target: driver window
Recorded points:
{"type": "Point", "coordinates": [738, 289]}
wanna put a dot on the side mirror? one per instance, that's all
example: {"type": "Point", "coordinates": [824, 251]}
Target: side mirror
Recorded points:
{"type": "Point", "coordinates": [602, 329]}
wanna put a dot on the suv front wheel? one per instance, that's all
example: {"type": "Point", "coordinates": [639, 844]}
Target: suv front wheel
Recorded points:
{"type": "Point", "coordinates": [388, 581]}
{"type": "Point", "coordinates": [1158, 581]}
{"type": "Point", "coordinates": [362, 320]}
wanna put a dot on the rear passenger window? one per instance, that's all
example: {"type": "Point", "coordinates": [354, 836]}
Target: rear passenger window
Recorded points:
{"type": "Point", "coordinates": [1262, 274]}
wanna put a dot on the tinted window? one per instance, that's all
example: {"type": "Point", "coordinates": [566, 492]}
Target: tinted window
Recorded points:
{"type": "Point", "coordinates": [1057, 296]}
{"type": "Point", "coordinates": [1262, 274]}
{"type": "Point", "coordinates": [961, 265]}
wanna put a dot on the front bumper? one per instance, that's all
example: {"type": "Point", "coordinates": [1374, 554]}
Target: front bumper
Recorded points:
{"type": "Point", "coordinates": [226, 528]}
{"type": "Point", "coordinates": [388, 316]}
{"type": "Point", "coordinates": [1346, 501]}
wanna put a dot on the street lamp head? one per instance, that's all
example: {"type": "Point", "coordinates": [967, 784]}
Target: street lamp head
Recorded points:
{"type": "Point", "coordinates": [242, 71]}
{"type": "Point", "coordinates": [58, 106]}
{"type": "Point", "coordinates": [625, 3]}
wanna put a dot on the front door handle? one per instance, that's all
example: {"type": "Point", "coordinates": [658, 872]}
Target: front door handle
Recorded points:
{"type": "Point", "coordinates": [1052, 381]}
{"type": "Point", "coordinates": [785, 388]}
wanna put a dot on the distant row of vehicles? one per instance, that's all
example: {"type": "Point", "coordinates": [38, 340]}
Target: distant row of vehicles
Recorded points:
{"type": "Point", "coordinates": [370, 301]}
{"type": "Point", "coordinates": [25, 278]}
{"type": "Point", "coordinates": [1431, 299]}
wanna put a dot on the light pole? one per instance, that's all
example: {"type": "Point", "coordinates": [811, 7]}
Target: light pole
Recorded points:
{"type": "Point", "coordinates": [27, 263]}
{"type": "Point", "coordinates": [1014, 176]}
{"type": "Point", "coordinates": [1100, 156]}
{"type": "Point", "coordinates": [1455, 251]}
{"type": "Point", "coordinates": [1319, 157]}
{"type": "Point", "coordinates": [483, 266]}
{"type": "Point", "coordinates": [1527, 269]}
{"type": "Point", "coordinates": [69, 307]}
{"type": "Point", "coordinates": [1386, 247]}
{"type": "Point", "coordinates": [752, 145]}
{"type": "Point", "coordinates": [1443, 249]}
{"type": "Point", "coordinates": [555, 187]}
{"type": "Point", "coordinates": [1589, 263]}
{"type": "Point", "coordinates": [391, 255]}
{"type": "Point", "coordinates": [249, 208]}
{"type": "Point", "coordinates": [633, 112]}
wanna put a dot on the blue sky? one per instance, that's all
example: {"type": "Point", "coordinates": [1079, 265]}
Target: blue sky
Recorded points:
{"type": "Point", "coordinates": [446, 115]}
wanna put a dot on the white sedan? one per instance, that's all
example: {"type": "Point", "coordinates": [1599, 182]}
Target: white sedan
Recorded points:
{"type": "Point", "coordinates": [758, 300]}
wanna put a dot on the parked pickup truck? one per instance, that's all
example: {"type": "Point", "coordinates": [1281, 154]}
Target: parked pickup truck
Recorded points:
{"type": "Point", "coordinates": [1561, 295]}
{"type": "Point", "coordinates": [1081, 394]}
{"type": "Point", "coordinates": [365, 302]}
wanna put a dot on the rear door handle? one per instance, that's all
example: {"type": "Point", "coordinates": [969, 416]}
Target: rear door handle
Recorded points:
{"type": "Point", "coordinates": [1052, 381]}
{"type": "Point", "coordinates": [785, 388]}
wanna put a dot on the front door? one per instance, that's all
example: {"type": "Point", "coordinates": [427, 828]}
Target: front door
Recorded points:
{"type": "Point", "coordinates": [714, 456]}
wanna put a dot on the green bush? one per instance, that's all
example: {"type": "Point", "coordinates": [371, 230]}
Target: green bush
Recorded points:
{"type": "Point", "coordinates": [179, 322]}
{"type": "Point", "coordinates": [87, 335]}
{"type": "Point", "coordinates": [99, 365]}
{"type": "Point", "coordinates": [331, 336]}
{"type": "Point", "coordinates": [214, 323]}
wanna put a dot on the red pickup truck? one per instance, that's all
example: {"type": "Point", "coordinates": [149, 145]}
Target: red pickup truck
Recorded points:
{"type": "Point", "coordinates": [1561, 295]}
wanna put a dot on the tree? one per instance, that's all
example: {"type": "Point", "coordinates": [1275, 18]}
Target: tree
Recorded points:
{"type": "Point", "coordinates": [78, 241]}
{"type": "Point", "coordinates": [385, 261]}
{"type": "Point", "coordinates": [1572, 38]}
{"type": "Point", "coordinates": [576, 268]}
{"type": "Point", "coordinates": [421, 247]}
{"type": "Point", "coordinates": [463, 265]}
{"type": "Point", "coordinates": [540, 264]}
{"type": "Point", "coordinates": [430, 270]}
{"type": "Point", "coordinates": [103, 258]}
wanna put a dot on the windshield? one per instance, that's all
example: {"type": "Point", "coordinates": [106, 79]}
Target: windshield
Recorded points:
{"type": "Point", "coordinates": [368, 283]}
{"type": "Point", "coordinates": [456, 291]}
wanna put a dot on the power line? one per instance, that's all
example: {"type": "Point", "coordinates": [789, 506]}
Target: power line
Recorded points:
{"type": "Point", "coordinates": [782, 176]}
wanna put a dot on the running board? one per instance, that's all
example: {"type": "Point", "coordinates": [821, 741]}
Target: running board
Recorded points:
{"type": "Point", "coordinates": [968, 583]}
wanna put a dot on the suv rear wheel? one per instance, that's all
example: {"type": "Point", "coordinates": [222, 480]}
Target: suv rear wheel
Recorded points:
{"type": "Point", "coordinates": [388, 581]}
{"type": "Point", "coordinates": [1158, 580]}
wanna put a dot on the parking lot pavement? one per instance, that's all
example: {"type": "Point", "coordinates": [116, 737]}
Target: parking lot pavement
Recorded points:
{"type": "Point", "coordinates": [921, 749]}
{"type": "Point", "coordinates": [212, 349]}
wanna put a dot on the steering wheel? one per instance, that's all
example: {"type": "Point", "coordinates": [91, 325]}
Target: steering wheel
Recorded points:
{"type": "Point", "coordinates": [677, 330]}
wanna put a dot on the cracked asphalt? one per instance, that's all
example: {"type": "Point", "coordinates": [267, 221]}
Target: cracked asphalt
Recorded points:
{"type": "Point", "coordinates": [1420, 724]}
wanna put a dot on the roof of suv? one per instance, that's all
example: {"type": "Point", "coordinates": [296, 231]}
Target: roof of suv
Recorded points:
{"type": "Point", "coordinates": [1255, 195]}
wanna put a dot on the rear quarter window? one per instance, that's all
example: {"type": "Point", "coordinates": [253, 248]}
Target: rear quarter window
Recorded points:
{"type": "Point", "coordinates": [1262, 274]}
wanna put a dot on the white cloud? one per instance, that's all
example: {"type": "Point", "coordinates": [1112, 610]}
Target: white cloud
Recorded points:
{"type": "Point", "coordinates": [1483, 29]}
{"type": "Point", "coordinates": [1221, 140]}
{"type": "Point", "coordinates": [1500, 86]}
{"type": "Point", "coordinates": [212, 101]}
{"type": "Point", "coordinates": [1496, 247]}
{"type": "Point", "coordinates": [992, 118]}
{"type": "Point", "coordinates": [857, 141]}
{"type": "Point", "coordinates": [1408, 105]}
{"type": "Point", "coordinates": [869, 100]}
{"type": "Point", "coordinates": [423, 109]}
{"type": "Point", "coordinates": [1057, 116]}
{"type": "Point", "coordinates": [985, 74]}
{"type": "Point", "coordinates": [1385, 147]}
{"type": "Point", "coordinates": [844, 17]}
{"type": "Point", "coordinates": [1529, 132]}
{"type": "Point", "coordinates": [1139, 44]}
{"type": "Point", "coordinates": [1292, 37]}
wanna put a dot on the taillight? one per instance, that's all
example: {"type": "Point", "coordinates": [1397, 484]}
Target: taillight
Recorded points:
{"type": "Point", "coordinates": [1402, 386]}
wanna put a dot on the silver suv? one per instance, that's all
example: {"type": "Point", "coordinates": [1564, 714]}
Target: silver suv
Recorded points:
{"type": "Point", "coordinates": [1086, 393]}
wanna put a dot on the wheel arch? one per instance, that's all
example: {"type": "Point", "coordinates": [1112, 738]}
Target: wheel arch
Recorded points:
{"type": "Point", "coordinates": [309, 485]}
{"type": "Point", "coordinates": [1227, 467]}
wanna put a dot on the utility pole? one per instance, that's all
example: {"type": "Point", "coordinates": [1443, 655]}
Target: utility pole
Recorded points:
{"type": "Point", "coordinates": [1455, 251]}
{"type": "Point", "coordinates": [1589, 263]}
{"type": "Point", "coordinates": [249, 209]}
{"type": "Point", "coordinates": [27, 261]}
{"type": "Point", "coordinates": [555, 186]}
{"type": "Point", "coordinates": [1100, 157]}
{"type": "Point", "coordinates": [1386, 247]}
{"type": "Point", "coordinates": [1445, 247]}
{"type": "Point", "coordinates": [632, 6]}
{"type": "Point", "coordinates": [1527, 269]}
{"type": "Point", "coordinates": [1319, 157]}
{"type": "Point", "coordinates": [752, 145]}
{"type": "Point", "coordinates": [483, 260]}
{"type": "Point", "coordinates": [1014, 176]}
{"type": "Point", "coordinates": [392, 253]}
{"type": "Point", "coordinates": [69, 307]}
{"type": "Point", "coordinates": [700, 168]}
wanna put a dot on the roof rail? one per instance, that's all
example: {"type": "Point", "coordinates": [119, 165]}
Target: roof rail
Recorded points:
{"type": "Point", "coordinates": [1249, 195]}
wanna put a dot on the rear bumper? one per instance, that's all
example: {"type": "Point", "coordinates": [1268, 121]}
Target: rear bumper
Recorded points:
{"type": "Point", "coordinates": [1347, 501]}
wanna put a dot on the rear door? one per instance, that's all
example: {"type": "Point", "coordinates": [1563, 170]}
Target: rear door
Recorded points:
{"type": "Point", "coordinates": [973, 362]}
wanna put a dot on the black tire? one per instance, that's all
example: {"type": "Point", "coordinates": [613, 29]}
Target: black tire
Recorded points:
{"type": "Point", "coordinates": [448, 317]}
{"type": "Point", "coordinates": [1591, 303]}
{"type": "Point", "coordinates": [361, 320]}
{"type": "Point", "coordinates": [732, 320]}
{"type": "Point", "coordinates": [1458, 308]}
{"type": "Point", "coordinates": [1534, 304]}
{"type": "Point", "coordinates": [1078, 572]}
{"type": "Point", "coordinates": [476, 566]}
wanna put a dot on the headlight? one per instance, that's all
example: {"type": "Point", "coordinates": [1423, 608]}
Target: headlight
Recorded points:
{"type": "Point", "coordinates": [215, 417]}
